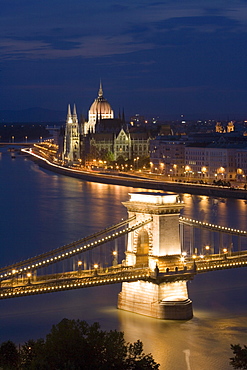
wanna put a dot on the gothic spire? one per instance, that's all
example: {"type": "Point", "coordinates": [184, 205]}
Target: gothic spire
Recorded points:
{"type": "Point", "coordinates": [100, 90]}
{"type": "Point", "coordinates": [69, 111]}
{"type": "Point", "coordinates": [75, 119]}
{"type": "Point", "coordinates": [69, 115]}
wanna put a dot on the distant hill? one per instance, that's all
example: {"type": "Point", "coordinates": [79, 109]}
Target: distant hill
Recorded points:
{"type": "Point", "coordinates": [38, 115]}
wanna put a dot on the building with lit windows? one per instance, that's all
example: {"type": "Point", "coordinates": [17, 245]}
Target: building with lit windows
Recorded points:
{"type": "Point", "coordinates": [225, 158]}
{"type": "Point", "coordinates": [217, 160]}
{"type": "Point", "coordinates": [167, 155]}
{"type": "Point", "coordinates": [99, 110]}
{"type": "Point", "coordinates": [102, 136]}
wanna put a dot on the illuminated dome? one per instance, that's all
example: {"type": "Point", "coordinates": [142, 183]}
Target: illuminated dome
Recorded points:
{"type": "Point", "coordinates": [100, 109]}
{"type": "Point", "coordinates": [100, 104]}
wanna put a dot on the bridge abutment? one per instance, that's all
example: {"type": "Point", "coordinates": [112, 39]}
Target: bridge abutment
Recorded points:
{"type": "Point", "coordinates": [162, 301]}
{"type": "Point", "coordinates": [150, 246]}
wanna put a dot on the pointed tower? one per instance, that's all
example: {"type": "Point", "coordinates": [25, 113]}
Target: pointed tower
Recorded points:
{"type": "Point", "coordinates": [69, 115]}
{"type": "Point", "coordinates": [100, 93]}
{"type": "Point", "coordinates": [75, 119]}
{"type": "Point", "coordinates": [100, 109]}
{"type": "Point", "coordinates": [71, 149]}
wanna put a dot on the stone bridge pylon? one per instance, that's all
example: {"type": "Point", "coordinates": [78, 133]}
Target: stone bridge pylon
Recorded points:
{"type": "Point", "coordinates": [155, 245]}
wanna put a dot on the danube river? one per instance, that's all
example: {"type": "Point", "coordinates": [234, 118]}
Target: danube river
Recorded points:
{"type": "Point", "coordinates": [41, 210]}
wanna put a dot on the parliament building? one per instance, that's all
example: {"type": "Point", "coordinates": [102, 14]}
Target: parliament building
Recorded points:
{"type": "Point", "coordinates": [102, 136]}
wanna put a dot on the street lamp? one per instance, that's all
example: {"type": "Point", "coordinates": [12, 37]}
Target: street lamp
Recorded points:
{"type": "Point", "coordinates": [182, 259]}
{"type": "Point", "coordinates": [240, 173]}
{"type": "Point", "coordinates": [187, 170]}
{"type": "Point", "coordinates": [29, 277]}
{"type": "Point", "coordinates": [221, 171]}
{"type": "Point", "coordinates": [204, 170]}
{"type": "Point", "coordinates": [95, 266]}
{"type": "Point", "coordinates": [175, 166]}
{"type": "Point", "coordinates": [79, 266]}
{"type": "Point", "coordinates": [114, 262]}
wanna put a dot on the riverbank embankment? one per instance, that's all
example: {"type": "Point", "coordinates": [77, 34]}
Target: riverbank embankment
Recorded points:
{"type": "Point", "coordinates": [139, 182]}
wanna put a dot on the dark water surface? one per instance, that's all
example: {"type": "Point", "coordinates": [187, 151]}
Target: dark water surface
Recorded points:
{"type": "Point", "coordinates": [41, 210]}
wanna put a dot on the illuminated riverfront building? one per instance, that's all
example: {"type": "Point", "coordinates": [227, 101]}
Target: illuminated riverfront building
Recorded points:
{"type": "Point", "coordinates": [102, 136]}
{"type": "Point", "coordinates": [99, 110]}
{"type": "Point", "coordinates": [224, 158]}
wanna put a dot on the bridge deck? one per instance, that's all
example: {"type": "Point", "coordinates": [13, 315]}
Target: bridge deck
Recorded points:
{"type": "Point", "coordinates": [12, 288]}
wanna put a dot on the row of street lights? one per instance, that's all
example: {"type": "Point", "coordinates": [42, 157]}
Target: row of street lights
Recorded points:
{"type": "Point", "coordinates": [208, 251]}
{"type": "Point", "coordinates": [79, 264]}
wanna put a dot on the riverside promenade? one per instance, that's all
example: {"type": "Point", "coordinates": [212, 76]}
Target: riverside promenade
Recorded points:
{"type": "Point", "coordinates": [138, 181]}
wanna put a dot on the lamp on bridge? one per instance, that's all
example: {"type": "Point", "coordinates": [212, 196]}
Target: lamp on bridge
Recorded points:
{"type": "Point", "coordinates": [79, 266]}
{"type": "Point", "coordinates": [182, 258]}
{"type": "Point", "coordinates": [29, 275]}
{"type": "Point", "coordinates": [95, 266]}
{"type": "Point", "coordinates": [114, 262]}
{"type": "Point", "coordinates": [13, 275]}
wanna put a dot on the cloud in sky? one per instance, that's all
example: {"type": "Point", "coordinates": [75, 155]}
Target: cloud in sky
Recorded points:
{"type": "Point", "coordinates": [147, 45]}
{"type": "Point", "coordinates": [86, 30]}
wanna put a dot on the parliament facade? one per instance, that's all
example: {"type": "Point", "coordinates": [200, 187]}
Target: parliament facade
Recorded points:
{"type": "Point", "coordinates": [102, 136]}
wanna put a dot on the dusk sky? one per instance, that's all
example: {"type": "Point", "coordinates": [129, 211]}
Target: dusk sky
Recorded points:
{"type": "Point", "coordinates": [154, 58]}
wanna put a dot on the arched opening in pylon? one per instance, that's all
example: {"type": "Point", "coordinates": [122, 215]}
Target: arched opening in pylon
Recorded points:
{"type": "Point", "coordinates": [142, 249]}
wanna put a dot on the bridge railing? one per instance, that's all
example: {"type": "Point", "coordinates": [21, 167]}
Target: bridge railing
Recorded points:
{"type": "Point", "coordinates": [25, 267]}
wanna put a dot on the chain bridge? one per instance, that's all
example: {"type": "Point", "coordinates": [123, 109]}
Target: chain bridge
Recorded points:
{"type": "Point", "coordinates": [153, 253]}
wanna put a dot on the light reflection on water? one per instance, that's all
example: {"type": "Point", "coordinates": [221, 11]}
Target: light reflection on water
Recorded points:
{"type": "Point", "coordinates": [41, 210]}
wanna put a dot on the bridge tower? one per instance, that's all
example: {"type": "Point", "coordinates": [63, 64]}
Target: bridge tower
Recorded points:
{"type": "Point", "coordinates": [157, 246]}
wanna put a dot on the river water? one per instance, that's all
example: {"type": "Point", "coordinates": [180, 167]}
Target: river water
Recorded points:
{"type": "Point", "coordinates": [41, 210]}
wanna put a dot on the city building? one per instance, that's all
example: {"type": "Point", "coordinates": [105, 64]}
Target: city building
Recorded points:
{"type": "Point", "coordinates": [204, 157]}
{"type": "Point", "coordinates": [102, 137]}
{"type": "Point", "coordinates": [100, 109]}
{"type": "Point", "coordinates": [167, 155]}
